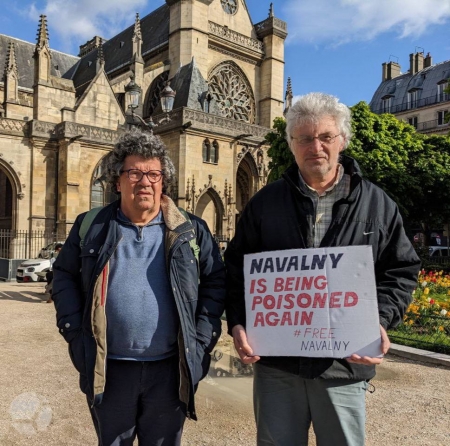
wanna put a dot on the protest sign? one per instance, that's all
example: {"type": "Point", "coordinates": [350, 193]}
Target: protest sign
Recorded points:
{"type": "Point", "coordinates": [319, 302]}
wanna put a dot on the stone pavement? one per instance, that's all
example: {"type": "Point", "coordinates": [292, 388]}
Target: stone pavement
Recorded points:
{"type": "Point", "coordinates": [40, 402]}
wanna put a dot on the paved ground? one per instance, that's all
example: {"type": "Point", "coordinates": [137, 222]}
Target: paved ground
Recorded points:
{"type": "Point", "coordinates": [40, 403]}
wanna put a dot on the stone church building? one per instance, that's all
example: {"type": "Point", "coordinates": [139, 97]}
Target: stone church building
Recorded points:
{"type": "Point", "coordinates": [61, 114]}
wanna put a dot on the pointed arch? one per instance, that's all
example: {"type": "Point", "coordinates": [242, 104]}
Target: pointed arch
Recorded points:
{"type": "Point", "coordinates": [246, 182]}
{"type": "Point", "coordinates": [101, 192]}
{"type": "Point", "coordinates": [232, 92]}
{"type": "Point", "coordinates": [211, 209]}
{"type": "Point", "coordinates": [10, 183]}
{"type": "Point", "coordinates": [153, 94]}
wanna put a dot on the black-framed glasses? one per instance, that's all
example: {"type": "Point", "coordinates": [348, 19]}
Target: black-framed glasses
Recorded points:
{"type": "Point", "coordinates": [325, 138]}
{"type": "Point", "coordinates": [136, 175]}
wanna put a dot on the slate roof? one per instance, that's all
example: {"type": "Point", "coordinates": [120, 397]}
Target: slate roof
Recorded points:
{"type": "Point", "coordinates": [118, 51]}
{"type": "Point", "coordinates": [425, 82]}
{"type": "Point", "coordinates": [191, 88]}
{"type": "Point", "coordinates": [25, 63]}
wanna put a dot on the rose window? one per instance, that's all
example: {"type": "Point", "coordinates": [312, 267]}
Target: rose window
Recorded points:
{"type": "Point", "coordinates": [232, 93]}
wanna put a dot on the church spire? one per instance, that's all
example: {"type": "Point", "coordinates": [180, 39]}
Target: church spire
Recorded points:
{"type": "Point", "coordinates": [137, 40]}
{"type": "Point", "coordinates": [42, 54]}
{"type": "Point", "coordinates": [11, 75]}
{"type": "Point", "coordinates": [288, 97]}
{"type": "Point", "coordinates": [11, 64]}
{"type": "Point", "coordinates": [137, 34]}
{"type": "Point", "coordinates": [100, 56]}
{"type": "Point", "coordinates": [42, 35]}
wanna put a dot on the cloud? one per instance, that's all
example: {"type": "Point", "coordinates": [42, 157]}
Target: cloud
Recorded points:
{"type": "Point", "coordinates": [75, 22]}
{"type": "Point", "coordinates": [342, 21]}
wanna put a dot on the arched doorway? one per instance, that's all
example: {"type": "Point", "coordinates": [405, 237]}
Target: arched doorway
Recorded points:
{"type": "Point", "coordinates": [210, 208]}
{"type": "Point", "coordinates": [246, 183]}
{"type": "Point", "coordinates": [6, 202]}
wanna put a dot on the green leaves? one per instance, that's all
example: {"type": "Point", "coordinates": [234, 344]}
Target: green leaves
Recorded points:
{"type": "Point", "coordinates": [412, 168]}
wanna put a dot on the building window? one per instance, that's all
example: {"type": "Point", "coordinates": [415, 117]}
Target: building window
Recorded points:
{"type": "Point", "coordinates": [232, 92]}
{"type": "Point", "coordinates": [214, 156]}
{"type": "Point", "coordinates": [210, 151]}
{"type": "Point", "coordinates": [412, 99]}
{"type": "Point", "coordinates": [153, 96]}
{"type": "Point", "coordinates": [441, 94]}
{"type": "Point", "coordinates": [97, 192]}
{"type": "Point", "coordinates": [101, 193]}
{"type": "Point", "coordinates": [206, 150]}
{"type": "Point", "coordinates": [386, 104]}
{"type": "Point", "coordinates": [413, 121]}
{"type": "Point", "coordinates": [441, 117]}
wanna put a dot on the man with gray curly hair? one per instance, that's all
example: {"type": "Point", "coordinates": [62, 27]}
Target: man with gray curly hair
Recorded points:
{"type": "Point", "coordinates": [321, 201]}
{"type": "Point", "coordinates": [139, 299]}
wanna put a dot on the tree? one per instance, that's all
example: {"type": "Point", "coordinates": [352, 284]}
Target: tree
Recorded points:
{"type": "Point", "coordinates": [279, 151]}
{"type": "Point", "coordinates": [413, 169]}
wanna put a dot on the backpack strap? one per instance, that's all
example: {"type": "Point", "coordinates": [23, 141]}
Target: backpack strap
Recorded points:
{"type": "Point", "coordinates": [86, 223]}
{"type": "Point", "coordinates": [193, 242]}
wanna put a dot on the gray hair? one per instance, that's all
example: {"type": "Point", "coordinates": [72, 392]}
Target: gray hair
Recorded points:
{"type": "Point", "coordinates": [139, 143]}
{"type": "Point", "coordinates": [312, 107]}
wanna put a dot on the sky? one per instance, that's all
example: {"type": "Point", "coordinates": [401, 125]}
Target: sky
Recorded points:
{"type": "Point", "coordinates": [333, 46]}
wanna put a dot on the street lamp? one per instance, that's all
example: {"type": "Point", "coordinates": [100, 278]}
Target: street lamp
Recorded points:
{"type": "Point", "coordinates": [167, 97]}
{"type": "Point", "coordinates": [133, 95]}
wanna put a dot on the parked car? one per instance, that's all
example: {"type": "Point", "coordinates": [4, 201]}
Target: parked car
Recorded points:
{"type": "Point", "coordinates": [48, 251]}
{"type": "Point", "coordinates": [29, 269]}
{"type": "Point", "coordinates": [438, 251]}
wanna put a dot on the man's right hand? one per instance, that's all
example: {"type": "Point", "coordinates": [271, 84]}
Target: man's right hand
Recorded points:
{"type": "Point", "coordinates": [240, 342]}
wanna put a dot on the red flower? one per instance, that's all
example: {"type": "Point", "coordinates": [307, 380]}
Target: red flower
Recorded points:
{"type": "Point", "coordinates": [432, 302]}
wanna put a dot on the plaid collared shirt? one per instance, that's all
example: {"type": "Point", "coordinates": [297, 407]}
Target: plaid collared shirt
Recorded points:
{"type": "Point", "coordinates": [323, 204]}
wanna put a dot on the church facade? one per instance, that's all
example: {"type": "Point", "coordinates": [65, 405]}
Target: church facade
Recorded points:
{"type": "Point", "coordinates": [61, 114]}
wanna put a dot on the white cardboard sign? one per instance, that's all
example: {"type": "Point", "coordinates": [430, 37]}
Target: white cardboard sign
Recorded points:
{"type": "Point", "coordinates": [319, 302]}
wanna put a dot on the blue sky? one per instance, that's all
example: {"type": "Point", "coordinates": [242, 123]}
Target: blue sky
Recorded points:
{"type": "Point", "coordinates": [334, 46]}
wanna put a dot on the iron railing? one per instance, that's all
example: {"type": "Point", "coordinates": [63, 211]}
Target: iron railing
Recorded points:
{"type": "Point", "coordinates": [25, 244]}
{"type": "Point", "coordinates": [429, 332]}
{"type": "Point", "coordinates": [412, 105]}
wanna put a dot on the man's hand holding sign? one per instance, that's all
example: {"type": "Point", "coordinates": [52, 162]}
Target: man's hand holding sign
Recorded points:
{"type": "Point", "coordinates": [315, 302]}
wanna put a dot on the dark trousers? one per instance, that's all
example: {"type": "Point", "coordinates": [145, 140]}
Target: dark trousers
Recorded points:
{"type": "Point", "coordinates": [140, 399]}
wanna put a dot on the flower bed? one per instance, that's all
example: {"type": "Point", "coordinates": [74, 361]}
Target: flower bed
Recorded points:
{"type": "Point", "coordinates": [427, 320]}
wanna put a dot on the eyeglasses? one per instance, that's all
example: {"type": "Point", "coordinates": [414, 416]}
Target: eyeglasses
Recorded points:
{"type": "Point", "coordinates": [305, 140]}
{"type": "Point", "coordinates": [136, 175]}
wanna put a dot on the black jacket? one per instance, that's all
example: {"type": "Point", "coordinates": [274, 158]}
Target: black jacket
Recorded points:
{"type": "Point", "coordinates": [280, 216]}
{"type": "Point", "coordinates": [80, 292]}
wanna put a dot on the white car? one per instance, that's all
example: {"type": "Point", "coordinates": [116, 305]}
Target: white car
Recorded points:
{"type": "Point", "coordinates": [27, 270]}
{"type": "Point", "coordinates": [438, 251]}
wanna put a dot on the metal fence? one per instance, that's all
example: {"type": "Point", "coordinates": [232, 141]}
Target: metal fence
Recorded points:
{"type": "Point", "coordinates": [25, 244]}
{"type": "Point", "coordinates": [429, 332]}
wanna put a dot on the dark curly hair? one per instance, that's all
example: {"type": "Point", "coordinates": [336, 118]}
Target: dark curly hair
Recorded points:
{"type": "Point", "coordinates": [144, 144]}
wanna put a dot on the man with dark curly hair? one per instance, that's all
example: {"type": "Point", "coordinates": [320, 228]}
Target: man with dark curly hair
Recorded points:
{"type": "Point", "coordinates": [138, 307]}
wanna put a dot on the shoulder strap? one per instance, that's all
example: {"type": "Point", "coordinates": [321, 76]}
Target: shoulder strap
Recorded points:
{"type": "Point", "coordinates": [86, 223]}
{"type": "Point", "coordinates": [193, 242]}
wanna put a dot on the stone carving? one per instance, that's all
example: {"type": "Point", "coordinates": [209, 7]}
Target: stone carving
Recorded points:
{"type": "Point", "coordinates": [41, 128]}
{"type": "Point", "coordinates": [14, 126]}
{"type": "Point", "coordinates": [233, 54]}
{"type": "Point", "coordinates": [238, 128]}
{"type": "Point", "coordinates": [229, 6]}
{"type": "Point", "coordinates": [72, 130]}
{"type": "Point", "coordinates": [234, 36]}
{"type": "Point", "coordinates": [232, 92]}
